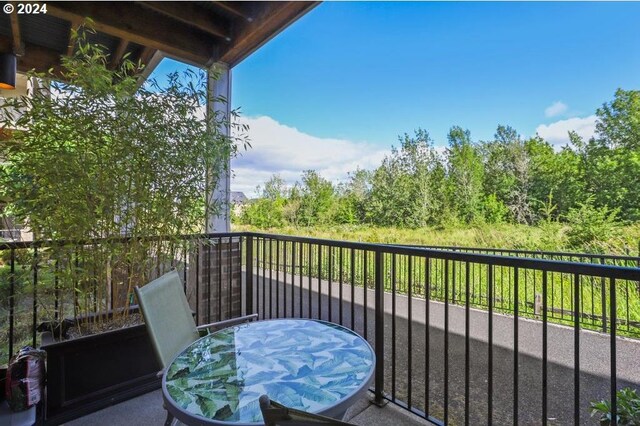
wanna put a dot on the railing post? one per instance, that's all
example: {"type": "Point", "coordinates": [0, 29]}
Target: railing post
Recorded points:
{"type": "Point", "coordinates": [603, 299]}
{"type": "Point", "coordinates": [248, 294]}
{"type": "Point", "coordinates": [379, 327]}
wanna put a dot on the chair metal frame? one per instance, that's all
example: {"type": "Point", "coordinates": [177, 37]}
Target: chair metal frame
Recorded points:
{"type": "Point", "coordinates": [171, 284]}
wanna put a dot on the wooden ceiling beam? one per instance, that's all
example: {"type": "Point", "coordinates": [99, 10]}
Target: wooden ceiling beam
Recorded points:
{"type": "Point", "coordinates": [146, 55]}
{"type": "Point", "coordinates": [15, 32]}
{"type": "Point", "coordinates": [117, 55]}
{"type": "Point", "coordinates": [233, 9]}
{"type": "Point", "coordinates": [35, 57]}
{"type": "Point", "coordinates": [129, 21]}
{"type": "Point", "coordinates": [271, 18]}
{"type": "Point", "coordinates": [75, 24]}
{"type": "Point", "coordinates": [150, 59]}
{"type": "Point", "coordinates": [192, 15]}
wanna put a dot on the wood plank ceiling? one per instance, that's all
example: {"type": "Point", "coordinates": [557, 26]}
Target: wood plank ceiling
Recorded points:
{"type": "Point", "coordinates": [199, 32]}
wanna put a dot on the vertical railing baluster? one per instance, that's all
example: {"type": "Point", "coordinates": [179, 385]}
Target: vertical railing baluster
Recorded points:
{"type": "Point", "coordinates": [409, 328]}
{"type": "Point", "coordinates": [76, 263]}
{"type": "Point", "coordinates": [603, 301]}
{"type": "Point", "coordinates": [476, 272]}
{"type": "Point", "coordinates": [516, 312]}
{"type": "Point", "coordinates": [453, 282]}
{"type": "Point", "coordinates": [285, 267]}
{"type": "Point", "coordinates": [270, 278]}
{"type": "Point", "coordinates": [379, 326]}
{"type": "Point", "coordinates": [197, 284]}
{"type": "Point", "coordinates": [319, 281]}
{"type": "Point", "coordinates": [490, 348]}
{"type": "Point", "coordinates": [35, 296]}
{"type": "Point", "coordinates": [300, 256]}
{"type": "Point", "coordinates": [427, 341]}
{"type": "Point", "coordinates": [544, 346]}
{"type": "Point", "coordinates": [12, 296]}
{"type": "Point", "coordinates": [576, 346]}
{"type": "Point", "coordinates": [230, 276]}
{"type": "Point", "coordinates": [613, 320]}
{"type": "Point", "coordinates": [526, 290]}
{"type": "Point", "coordinates": [56, 290]}
{"type": "Point", "coordinates": [446, 342]}
{"type": "Point", "coordinates": [330, 280]}
{"type": "Point", "coordinates": [95, 284]}
{"type": "Point", "coordinates": [353, 288]}
{"type": "Point", "coordinates": [284, 280]}
{"type": "Point", "coordinates": [310, 247]}
{"type": "Point", "coordinates": [184, 272]}
{"type": "Point", "coordinates": [209, 272]}
{"type": "Point", "coordinates": [277, 278]}
{"type": "Point", "coordinates": [340, 271]}
{"type": "Point", "coordinates": [562, 275]}
{"type": "Point", "coordinates": [467, 338]}
{"type": "Point", "coordinates": [219, 246]}
{"type": "Point", "coordinates": [293, 279]}
{"type": "Point", "coordinates": [258, 258]}
{"type": "Point", "coordinates": [627, 302]}
{"type": "Point", "coordinates": [264, 278]}
{"type": "Point", "coordinates": [248, 300]}
{"type": "Point", "coordinates": [365, 253]}
{"type": "Point", "coordinates": [393, 325]}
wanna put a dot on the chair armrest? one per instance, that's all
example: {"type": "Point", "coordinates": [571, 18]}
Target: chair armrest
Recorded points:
{"type": "Point", "coordinates": [228, 323]}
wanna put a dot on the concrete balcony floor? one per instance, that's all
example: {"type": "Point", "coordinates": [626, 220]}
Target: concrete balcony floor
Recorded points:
{"type": "Point", "coordinates": [146, 410]}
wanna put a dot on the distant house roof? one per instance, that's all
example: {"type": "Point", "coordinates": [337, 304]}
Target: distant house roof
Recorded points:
{"type": "Point", "coordinates": [238, 197]}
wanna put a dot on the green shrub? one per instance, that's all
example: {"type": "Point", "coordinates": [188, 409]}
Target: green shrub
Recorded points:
{"type": "Point", "coordinates": [590, 224]}
{"type": "Point", "coordinates": [628, 408]}
{"type": "Point", "coordinates": [494, 210]}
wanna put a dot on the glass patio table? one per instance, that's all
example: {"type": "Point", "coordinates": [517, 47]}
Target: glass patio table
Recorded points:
{"type": "Point", "coordinates": [310, 365]}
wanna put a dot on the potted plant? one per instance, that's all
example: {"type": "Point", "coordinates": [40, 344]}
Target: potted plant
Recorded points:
{"type": "Point", "coordinates": [113, 170]}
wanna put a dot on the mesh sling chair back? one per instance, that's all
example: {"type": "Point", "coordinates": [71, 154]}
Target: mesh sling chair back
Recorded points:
{"type": "Point", "coordinates": [169, 319]}
{"type": "Point", "coordinates": [275, 414]}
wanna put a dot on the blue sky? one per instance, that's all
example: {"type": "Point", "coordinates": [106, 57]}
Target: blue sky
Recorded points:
{"type": "Point", "coordinates": [350, 76]}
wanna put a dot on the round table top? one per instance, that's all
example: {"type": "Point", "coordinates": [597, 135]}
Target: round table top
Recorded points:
{"type": "Point", "coordinates": [309, 365]}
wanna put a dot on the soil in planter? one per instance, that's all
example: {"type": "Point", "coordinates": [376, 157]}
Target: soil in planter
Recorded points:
{"type": "Point", "coordinates": [101, 326]}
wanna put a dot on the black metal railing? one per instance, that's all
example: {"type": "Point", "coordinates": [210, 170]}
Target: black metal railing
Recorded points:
{"type": "Point", "coordinates": [591, 317]}
{"type": "Point", "coordinates": [54, 285]}
{"type": "Point", "coordinates": [463, 337]}
{"type": "Point", "coordinates": [460, 336]}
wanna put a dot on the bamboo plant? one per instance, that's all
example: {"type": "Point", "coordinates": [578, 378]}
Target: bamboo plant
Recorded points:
{"type": "Point", "coordinates": [106, 163]}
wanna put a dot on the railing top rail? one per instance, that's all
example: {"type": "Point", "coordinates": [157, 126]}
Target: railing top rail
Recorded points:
{"type": "Point", "coordinates": [593, 269]}
{"type": "Point", "coordinates": [8, 245]}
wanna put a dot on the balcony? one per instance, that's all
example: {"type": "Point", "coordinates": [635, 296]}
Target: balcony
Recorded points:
{"type": "Point", "coordinates": [460, 335]}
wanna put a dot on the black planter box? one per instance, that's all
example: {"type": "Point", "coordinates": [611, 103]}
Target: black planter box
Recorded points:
{"type": "Point", "coordinates": [93, 372]}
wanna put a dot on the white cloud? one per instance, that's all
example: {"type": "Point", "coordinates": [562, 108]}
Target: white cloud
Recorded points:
{"type": "Point", "coordinates": [558, 133]}
{"type": "Point", "coordinates": [555, 109]}
{"type": "Point", "coordinates": [277, 148]}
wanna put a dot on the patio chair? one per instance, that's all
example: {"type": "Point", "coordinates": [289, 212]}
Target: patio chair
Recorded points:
{"type": "Point", "coordinates": [169, 319]}
{"type": "Point", "coordinates": [275, 414]}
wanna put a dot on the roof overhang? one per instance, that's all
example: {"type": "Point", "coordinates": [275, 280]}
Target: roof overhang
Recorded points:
{"type": "Point", "coordinates": [199, 33]}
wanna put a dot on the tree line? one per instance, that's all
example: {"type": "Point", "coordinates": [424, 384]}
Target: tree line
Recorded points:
{"type": "Point", "coordinates": [506, 179]}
